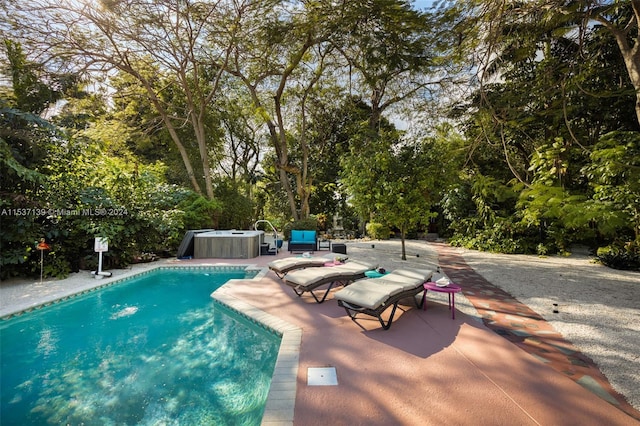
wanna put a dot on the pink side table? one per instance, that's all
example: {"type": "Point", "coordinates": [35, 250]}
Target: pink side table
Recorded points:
{"type": "Point", "coordinates": [451, 290]}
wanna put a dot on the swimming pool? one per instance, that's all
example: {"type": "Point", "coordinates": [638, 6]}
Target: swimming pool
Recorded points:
{"type": "Point", "coordinates": [154, 349]}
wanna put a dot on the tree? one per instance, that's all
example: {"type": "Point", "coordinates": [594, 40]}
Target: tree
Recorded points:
{"type": "Point", "coordinates": [279, 41]}
{"type": "Point", "coordinates": [31, 92]}
{"type": "Point", "coordinates": [331, 126]}
{"type": "Point", "coordinates": [396, 52]}
{"type": "Point", "coordinates": [71, 184]}
{"type": "Point", "coordinates": [396, 181]}
{"type": "Point", "coordinates": [551, 83]}
{"type": "Point", "coordinates": [624, 25]}
{"type": "Point", "coordinates": [26, 140]}
{"type": "Point", "coordinates": [383, 46]}
{"type": "Point", "coordinates": [243, 139]}
{"type": "Point", "coordinates": [168, 46]}
{"type": "Point", "coordinates": [503, 32]}
{"type": "Point", "coordinates": [615, 177]}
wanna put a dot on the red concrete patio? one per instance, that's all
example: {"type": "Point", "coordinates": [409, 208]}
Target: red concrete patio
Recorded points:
{"type": "Point", "coordinates": [427, 369]}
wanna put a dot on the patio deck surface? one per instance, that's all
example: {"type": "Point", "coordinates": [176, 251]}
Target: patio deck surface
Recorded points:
{"type": "Point", "coordinates": [504, 365]}
{"type": "Point", "coordinates": [428, 369]}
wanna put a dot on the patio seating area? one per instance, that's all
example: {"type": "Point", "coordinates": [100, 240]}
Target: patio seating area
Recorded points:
{"type": "Point", "coordinates": [429, 369]}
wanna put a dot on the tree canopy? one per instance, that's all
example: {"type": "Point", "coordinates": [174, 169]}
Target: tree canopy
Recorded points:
{"type": "Point", "coordinates": [509, 126]}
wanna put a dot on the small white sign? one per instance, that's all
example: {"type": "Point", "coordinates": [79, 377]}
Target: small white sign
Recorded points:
{"type": "Point", "coordinates": [100, 245]}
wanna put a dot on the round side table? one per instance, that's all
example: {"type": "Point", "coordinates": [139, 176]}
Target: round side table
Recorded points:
{"type": "Point", "coordinates": [451, 290]}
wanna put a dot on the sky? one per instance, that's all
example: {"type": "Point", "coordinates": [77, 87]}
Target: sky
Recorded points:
{"type": "Point", "coordinates": [422, 4]}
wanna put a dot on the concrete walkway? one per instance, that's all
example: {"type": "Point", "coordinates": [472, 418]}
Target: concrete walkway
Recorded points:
{"type": "Point", "coordinates": [520, 325]}
{"type": "Point", "coordinates": [428, 369]}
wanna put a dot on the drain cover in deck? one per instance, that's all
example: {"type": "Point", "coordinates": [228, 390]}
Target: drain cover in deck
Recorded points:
{"type": "Point", "coordinates": [322, 376]}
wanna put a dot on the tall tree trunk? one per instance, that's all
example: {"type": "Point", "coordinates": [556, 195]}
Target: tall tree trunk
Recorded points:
{"type": "Point", "coordinates": [183, 155]}
{"type": "Point", "coordinates": [403, 235]}
{"type": "Point", "coordinates": [176, 140]}
{"type": "Point", "coordinates": [632, 62]}
{"type": "Point", "coordinates": [282, 150]}
{"type": "Point", "coordinates": [166, 119]}
{"type": "Point", "coordinates": [630, 54]}
{"type": "Point", "coordinates": [198, 126]}
{"type": "Point", "coordinates": [376, 111]}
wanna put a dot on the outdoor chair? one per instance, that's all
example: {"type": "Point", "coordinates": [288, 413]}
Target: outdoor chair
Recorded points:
{"type": "Point", "coordinates": [285, 265]}
{"type": "Point", "coordinates": [373, 296]}
{"type": "Point", "coordinates": [310, 279]}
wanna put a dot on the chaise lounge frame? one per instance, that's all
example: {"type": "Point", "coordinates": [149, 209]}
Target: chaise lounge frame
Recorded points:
{"type": "Point", "coordinates": [298, 263]}
{"type": "Point", "coordinates": [379, 294]}
{"type": "Point", "coordinates": [334, 276]}
{"type": "Point", "coordinates": [353, 310]}
{"type": "Point", "coordinates": [344, 281]}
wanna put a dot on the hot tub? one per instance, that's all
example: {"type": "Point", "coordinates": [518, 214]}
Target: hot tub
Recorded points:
{"type": "Point", "coordinates": [229, 244]}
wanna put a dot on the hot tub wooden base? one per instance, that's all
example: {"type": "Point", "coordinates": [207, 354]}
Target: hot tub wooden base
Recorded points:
{"type": "Point", "coordinates": [227, 244]}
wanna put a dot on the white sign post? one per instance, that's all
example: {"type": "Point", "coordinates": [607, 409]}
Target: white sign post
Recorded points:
{"type": "Point", "coordinates": [100, 245]}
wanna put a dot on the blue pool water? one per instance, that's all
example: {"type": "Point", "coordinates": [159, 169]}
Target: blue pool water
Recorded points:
{"type": "Point", "coordinates": [151, 350]}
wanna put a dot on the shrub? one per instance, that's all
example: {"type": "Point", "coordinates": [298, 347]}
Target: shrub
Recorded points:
{"type": "Point", "coordinates": [378, 231]}
{"type": "Point", "coordinates": [235, 209]}
{"type": "Point", "coordinates": [310, 223]}
{"type": "Point", "coordinates": [199, 212]}
{"type": "Point", "coordinates": [619, 258]}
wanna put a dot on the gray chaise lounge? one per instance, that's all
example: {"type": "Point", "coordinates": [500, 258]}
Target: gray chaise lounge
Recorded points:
{"type": "Point", "coordinates": [373, 296]}
{"type": "Point", "coordinates": [285, 265]}
{"type": "Point", "coordinates": [307, 280]}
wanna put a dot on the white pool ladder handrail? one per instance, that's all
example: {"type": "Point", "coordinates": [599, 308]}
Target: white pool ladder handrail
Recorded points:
{"type": "Point", "coordinates": [275, 231]}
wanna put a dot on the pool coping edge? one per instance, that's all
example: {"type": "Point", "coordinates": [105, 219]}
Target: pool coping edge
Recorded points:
{"type": "Point", "coordinates": [280, 404]}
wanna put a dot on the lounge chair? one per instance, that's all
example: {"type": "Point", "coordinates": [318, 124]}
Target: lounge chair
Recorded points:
{"type": "Point", "coordinates": [373, 296]}
{"type": "Point", "coordinates": [307, 280]}
{"type": "Point", "coordinates": [282, 266]}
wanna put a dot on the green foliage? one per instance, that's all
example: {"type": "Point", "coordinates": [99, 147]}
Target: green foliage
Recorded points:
{"type": "Point", "coordinates": [378, 231]}
{"type": "Point", "coordinates": [619, 258]}
{"type": "Point", "coordinates": [24, 147]}
{"type": "Point", "coordinates": [69, 191]}
{"type": "Point", "coordinates": [127, 203]}
{"type": "Point", "coordinates": [200, 212]}
{"type": "Point", "coordinates": [386, 184]}
{"type": "Point", "coordinates": [332, 127]}
{"type": "Point", "coordinates": [54, 265]}
{"type": "Point", "coordinates": [31, 92]}
{"type": "Point", "coordinates": [137, 213]}
{"type": "Point", "coordinates": [551, 159]}
{"type": "Point", "coordinates": [234, 209]}
{"type": "Point", "coordinates": [456, 202]}
{"type": "Point", "coordinates": [502, 236]}
{"type": "Point", "coordinates": [396, 181]}
{"type": "Point", "coordinates": [614, 175]}
{"type": "Point", "coordinates": [550, 153]}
